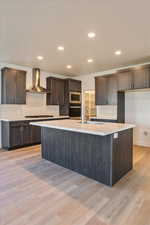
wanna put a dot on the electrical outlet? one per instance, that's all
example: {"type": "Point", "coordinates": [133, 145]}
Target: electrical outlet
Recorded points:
{"type": "Point", "coordinates": [115, 135]}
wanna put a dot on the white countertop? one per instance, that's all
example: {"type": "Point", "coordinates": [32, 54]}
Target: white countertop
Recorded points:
{"type": "Point", "coordinates": [13, 119]}
{"type": "Point", "coordinates": [101, 129]}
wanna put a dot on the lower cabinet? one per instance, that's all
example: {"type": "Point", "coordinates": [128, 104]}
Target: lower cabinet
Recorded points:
{"type": "Point", "coordinates": [18, 134]}
{"type": "Point", "coordinates": [21, 133]}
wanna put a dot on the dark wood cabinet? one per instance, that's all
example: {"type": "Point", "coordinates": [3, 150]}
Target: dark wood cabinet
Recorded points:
{"type": "Point", "coordinates": [125, 80]}
{"type": "Point", "coordinates": [138, 78]}
{"type": "Point", "coordinates": [71, 85]}
{"type": "Point", "coordinates": [13, 86]}
{"type": "Point", "coordinates": [101, 94]}
{"type": "Point", "coordinates": [21, 87]}
{"type": "Point", "coordinates": [56, 87]}
{"type": "Point", "coordinates": [74, 85]}
{"type": "Point", "coordinates": [106, 87]}
{"type": "Point", "coordinates": [141, 78]}
{"type": "Point", "coordinates": [112, 89]}
{"type": "Point", "coordinates": [18, 134]}
{"type": "Point", "coordinates": [121, 107]}
{"type": "Point", "coordinates": [106, 90]}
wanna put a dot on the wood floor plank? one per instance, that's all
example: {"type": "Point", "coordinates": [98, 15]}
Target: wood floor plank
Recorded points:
{"type": "Point", "coordinates": [34, 191]}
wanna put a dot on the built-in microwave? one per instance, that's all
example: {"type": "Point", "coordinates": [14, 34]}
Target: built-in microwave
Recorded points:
{"type": "Point", "coordinates": [75, 98]}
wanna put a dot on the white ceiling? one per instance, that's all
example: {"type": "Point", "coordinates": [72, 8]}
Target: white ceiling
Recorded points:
{"type": "Point", "coordinates": [29, 28]}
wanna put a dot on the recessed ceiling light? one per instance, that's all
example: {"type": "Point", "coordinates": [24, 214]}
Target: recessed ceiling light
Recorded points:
{"type": "Point", "coordinates": [60, 48]}
{"type": "Point", "coordinates": [40, 57]}
{"type": "Point", "coordinates": [118, 52]}
{"type": "Point", "coordinates": [90, 60]}
{"type": "Point", "coordinates": [91, 35]}
{"type": "Point", "coordinates": [69, 66]}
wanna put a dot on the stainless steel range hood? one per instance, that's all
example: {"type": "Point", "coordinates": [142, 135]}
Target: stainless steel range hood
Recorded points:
{"type": "Point", "coordinates": [36, 88]}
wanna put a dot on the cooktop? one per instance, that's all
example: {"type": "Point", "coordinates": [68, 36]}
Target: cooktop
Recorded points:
{"type": "Point", "coordinates": [38, 116]}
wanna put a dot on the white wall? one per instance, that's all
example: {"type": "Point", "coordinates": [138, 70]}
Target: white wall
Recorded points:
{"type": "Point", "coordinates": [138, 112]}
{"type": "Point", "coordinates": [137, 107]}
{"type": "Point", "coordinates": [36, 103]}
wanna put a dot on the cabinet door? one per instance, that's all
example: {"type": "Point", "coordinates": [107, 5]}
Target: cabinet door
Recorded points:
{"type": "Point", "coordinates": [74, 85]}
{"type": "Point", "coordinates": [13, 86]}
{"type": "Point", "coordinates": [141, 78]}
{"type": "Point", "coordinates": [101, 94]}
{"type": "Point", "coordinates": [26, 129]}
{"type": "Point", "coordinates": [60, 88]}
{"type": "Point", "coordinates": [35, 134]}
{"type": "Point", "coordinates": [125, 80]}
{"type": "Point", "coordinates": [9, 90]}
{"type": "Point", "coordinates": [21, 87]}
{"type": "Point", "coordinates": [16, 136]}
{"type": "Point", "coordinates": [112, 88]}
{"type": "Point", "coordinates": [57, 91]}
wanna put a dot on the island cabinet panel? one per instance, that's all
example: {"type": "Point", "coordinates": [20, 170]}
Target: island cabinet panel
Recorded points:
{"type": "Point", "coordinates": [94, 156]}
{"type": "Point", "coordinates": [86, 154]}
{"type": "Point", "coordinates": [141, 78]}
{"type": "Point", "coordinates": [35, 133]}
{"type": "Point", "coordinates": [122, 156]}
{"type": "Point", "coordinates": [13, 86]}
{"type": "Point", "coordinates": [56, 87]}
{"type": "Point", "coordinates": [101, 93]}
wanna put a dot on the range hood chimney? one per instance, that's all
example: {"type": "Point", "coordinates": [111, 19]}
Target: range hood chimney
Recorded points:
{"type": "Point", "coordinates": [36, 88]}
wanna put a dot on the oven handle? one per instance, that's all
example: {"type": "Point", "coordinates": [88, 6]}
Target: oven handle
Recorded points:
{"type": "Point", "coordinates": [75, 107]}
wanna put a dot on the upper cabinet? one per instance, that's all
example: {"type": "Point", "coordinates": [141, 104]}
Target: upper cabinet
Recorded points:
{"type": "Point", "coordinates": [125, 80]}
{"type": "Point", "coordinates": [106, 87]}
{"type": "Point", "coordinates": [74, 85]}
{"type": "Point", "coordinates": [13, 89]}
{"type": "Point", "coordinates": [59, 90]}
{"type": "Point", "coordinates": [101, 93]}
{"type": "Point", "coordinates": [141, 78]}
{"type": "Point", "coordinates": [56, 87]}
{"type": "Point", "coordinates": [112, 87]}
{"type": "Point", "coordinates": [106, 90]}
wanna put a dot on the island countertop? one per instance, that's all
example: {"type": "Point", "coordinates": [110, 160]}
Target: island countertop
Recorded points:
{"type": "Point", "coordinates": [96, 128]}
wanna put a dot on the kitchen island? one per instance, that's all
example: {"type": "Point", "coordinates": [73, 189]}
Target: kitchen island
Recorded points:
{"type": "Point", "coordinates": [101, 151]}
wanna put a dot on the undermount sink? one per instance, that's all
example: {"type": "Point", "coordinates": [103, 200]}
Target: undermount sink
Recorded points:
{"type": "Point", "coordinates": [39, 116]}
{"type": "Point", "coordinates": [92, 122]}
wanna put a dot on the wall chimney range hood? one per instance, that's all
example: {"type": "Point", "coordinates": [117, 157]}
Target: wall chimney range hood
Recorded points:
{"type": "Point", "coordinates": [36, 88]}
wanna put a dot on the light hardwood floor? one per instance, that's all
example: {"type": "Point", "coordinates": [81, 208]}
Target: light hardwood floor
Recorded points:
{"type": "Point", "coordinates": [34, 191]}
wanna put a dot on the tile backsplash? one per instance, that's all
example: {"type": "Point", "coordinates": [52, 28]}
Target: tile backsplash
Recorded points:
{"type": "Point", "coordinates": [106, 111]}
{"type": "Point", "coordinates": [36, 104]}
